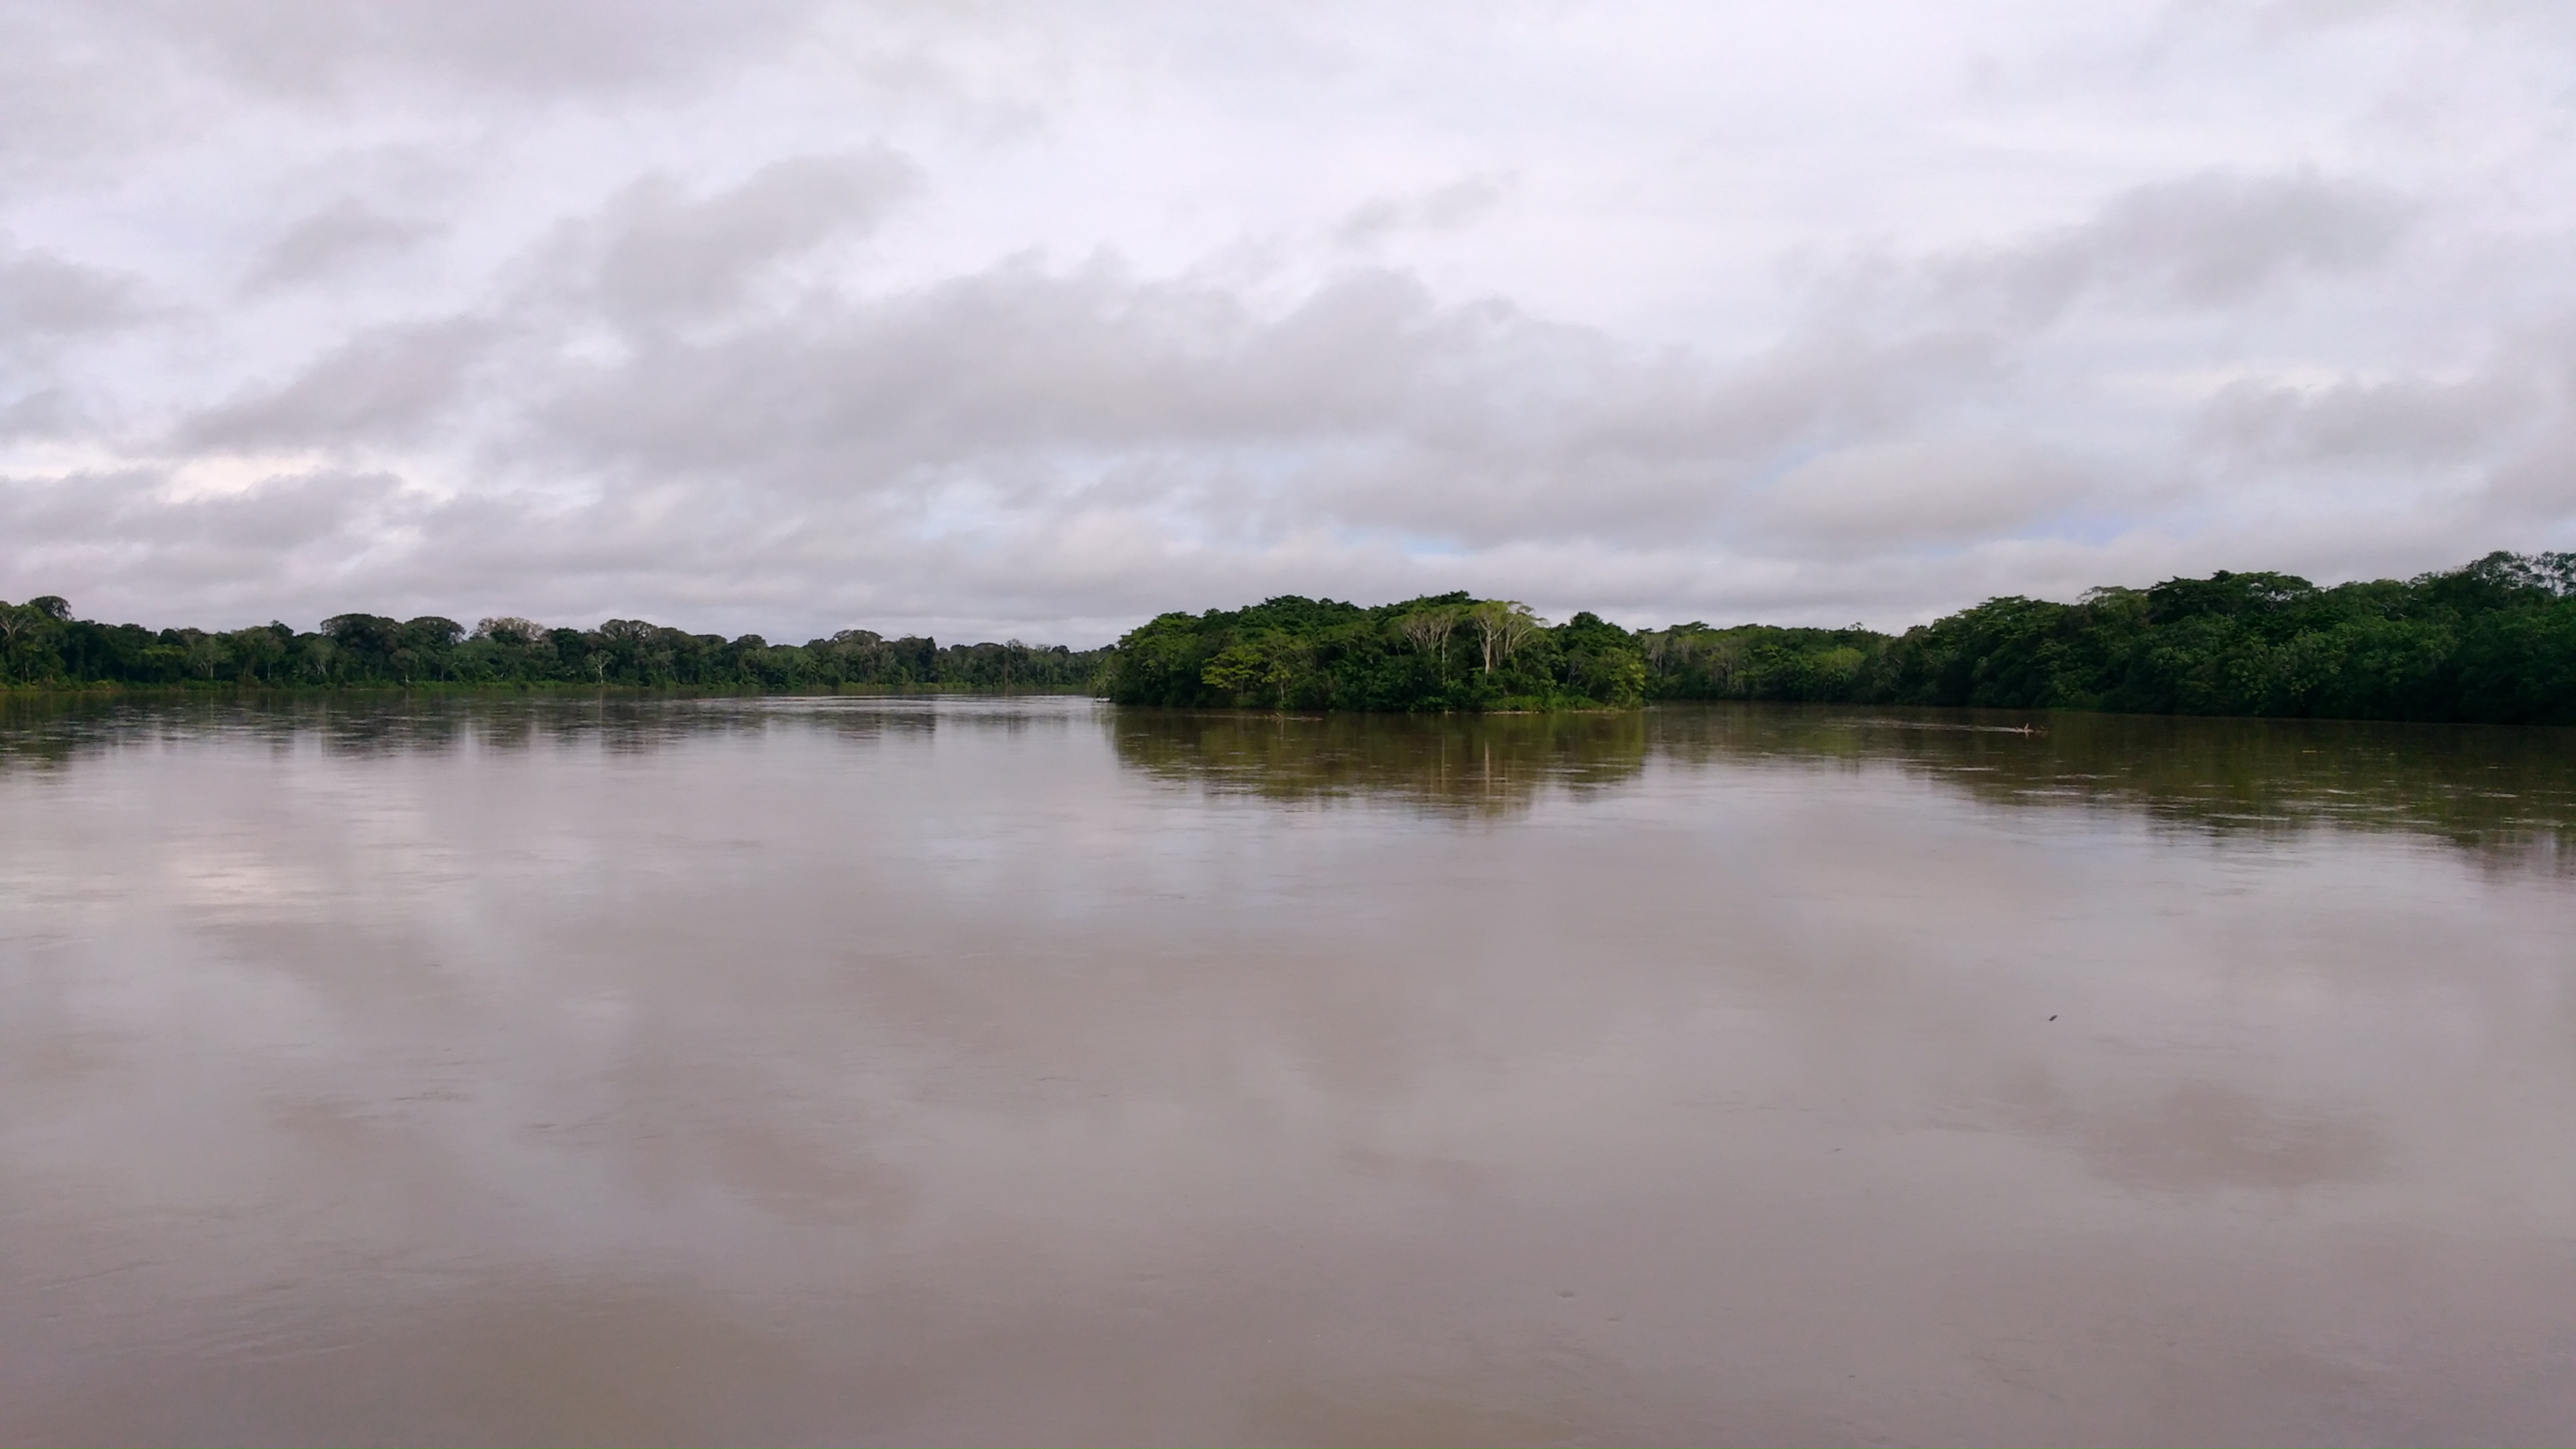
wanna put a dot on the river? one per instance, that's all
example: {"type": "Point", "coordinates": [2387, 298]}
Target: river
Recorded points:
{"type": "Point", "coordinates": [1026, 1070]}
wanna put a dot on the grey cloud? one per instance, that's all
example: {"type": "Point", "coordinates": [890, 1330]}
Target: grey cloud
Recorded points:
{"type": "Point", "coordinates": [217, 533]}
{"type": "Point", "coordinates": [1054, 441]}
{"type": "Point", "coordinates": [65, 95]}
{"type": "Point", "coordinates": [2497, 441]}
{"type": "Point", "coordinates": [540, 48]}
{"type": "Point", "coordinates": [43, 296]}
{"type": "Point", "coordinates": [123, 532]}
{"type": "Point", "coordinates": [656, 251]}
{"type": "Point", "coordinates": [2203, 241]}
{"type": "Point", "coordinates": [2393, 423]}
{"type": "Point", "coordinates": [382, 386]}
{"type": "Point", "coordinates": [2537, 486]}
{"type": "Point", "coordinates": [1368, 405]}
{"type": "Point", "coordinates": [1011, 359]}
{"type": "Point", "coordinates": [1007, 433]}
{"type": "Point", "coordinates": [756, 390]}
{"type": "Point", "coordinates": [138, 507]}
{"type": "Point", "coordinates": [1587, 440]}
{"type": "Point", "coordinates": [38, 413]}
{"type": "Point", "coordinates": [329, 241]}
{"type": "Point", "coordinates": [2533, 486]}
{"type": "Point", "coordinates": [48, 307]}
{"type": "Point", "coordinates": [89, 82]}
{"type": "Point", "coordinates": [1442, 208]}
{"type": "Point", "coordinates": [2301, 18]}
{"type": "Point", "coordinates": [1921, 490]}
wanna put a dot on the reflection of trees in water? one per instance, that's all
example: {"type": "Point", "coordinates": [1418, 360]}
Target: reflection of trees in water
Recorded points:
{"type": "Point", "coordinates": [39, 729]}
{"type": "Point", "coordinates": [1491, 763]}
{"type": "Point", "coordinates": [2507, 793]}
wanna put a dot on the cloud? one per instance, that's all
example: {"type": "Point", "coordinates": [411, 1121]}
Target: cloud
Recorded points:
{"type": "Point", "coordinates": [345, 234]}
{"type": "Point", "coordinates": [2203, 242]}
{"type": "Point", "coordinates": [657, 251]}
{"type": "Point", "coordinates": [383, 387]}
{"type": "Point", "coordinates": [2213, 239]}
{"type": "Point", "coordinates": [44, 298]}
{"type": "Point", "coordinates": [1367, 405]}
{"type": "Point", "coordinates": [2495, 442]}
{"type": "Point", "coordinates": [133, 528]}
{"type": "Point", "coordinates": [68, 93]}
{"type": "Point", "coordinates": [48, 308]}
{"type": "Point", "coordinates": [2396, 423]}
{"type": "Point", "coordinates": [1442, 208]}
{"type": "Point", "coordinates": [1922, 490]}
{"type": "Point", "coordinates": [2298, 17]}
{"type": "Point", "coordinates": [539, 48]}
{"type": "Point", "coordinates": [787, 318]}
{"type": "Point", "coordinates": [1001, 429]}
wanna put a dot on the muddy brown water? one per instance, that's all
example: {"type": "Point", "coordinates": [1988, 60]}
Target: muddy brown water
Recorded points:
{"type": "Point", "coordinates": [1029, 1071]}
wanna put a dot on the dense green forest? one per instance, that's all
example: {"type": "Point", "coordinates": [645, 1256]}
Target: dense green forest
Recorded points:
{"type": "Point", "coordinates": [42, 644]}
{"type": "Point", "coordinates": [2493, 641]}
{"type": "Point", "coordinates": [1445, 652]}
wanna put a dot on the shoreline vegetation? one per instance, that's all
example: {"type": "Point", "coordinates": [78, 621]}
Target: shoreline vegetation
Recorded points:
{"type": "Point", "coordinates": [43, 646]}
{"type": "Point", "coordinates": [2490, 642]}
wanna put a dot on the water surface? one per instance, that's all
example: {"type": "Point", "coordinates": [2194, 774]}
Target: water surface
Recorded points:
{"type": "Point", "coordinates": [1025, 1070]}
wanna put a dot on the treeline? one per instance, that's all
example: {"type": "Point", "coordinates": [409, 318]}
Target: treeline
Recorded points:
{"type": "Point", "coordinates": [42, 644]}
{"type": "Point", "coordinates": [1443, 652]}
{"type": "Point", "coordinates": [2494, 641]}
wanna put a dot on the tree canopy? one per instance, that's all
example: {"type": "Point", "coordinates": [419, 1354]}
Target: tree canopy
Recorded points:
{"type": "Point", "coordinates": [42, 644]}
{"type": "Point", "coordinates": [1438, 652]}
{"type": "Point", "coordinates": [2492, 641]}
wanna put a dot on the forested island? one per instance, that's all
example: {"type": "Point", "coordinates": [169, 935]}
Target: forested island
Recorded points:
{"type": "Point", "coordinates": [42, 644]}
{"type": "Point", "coordinates": [2493, 641]}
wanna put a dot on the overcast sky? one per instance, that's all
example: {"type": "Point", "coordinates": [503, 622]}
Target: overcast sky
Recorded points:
{"type": "Point", "coordinates": [1041, 319]}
